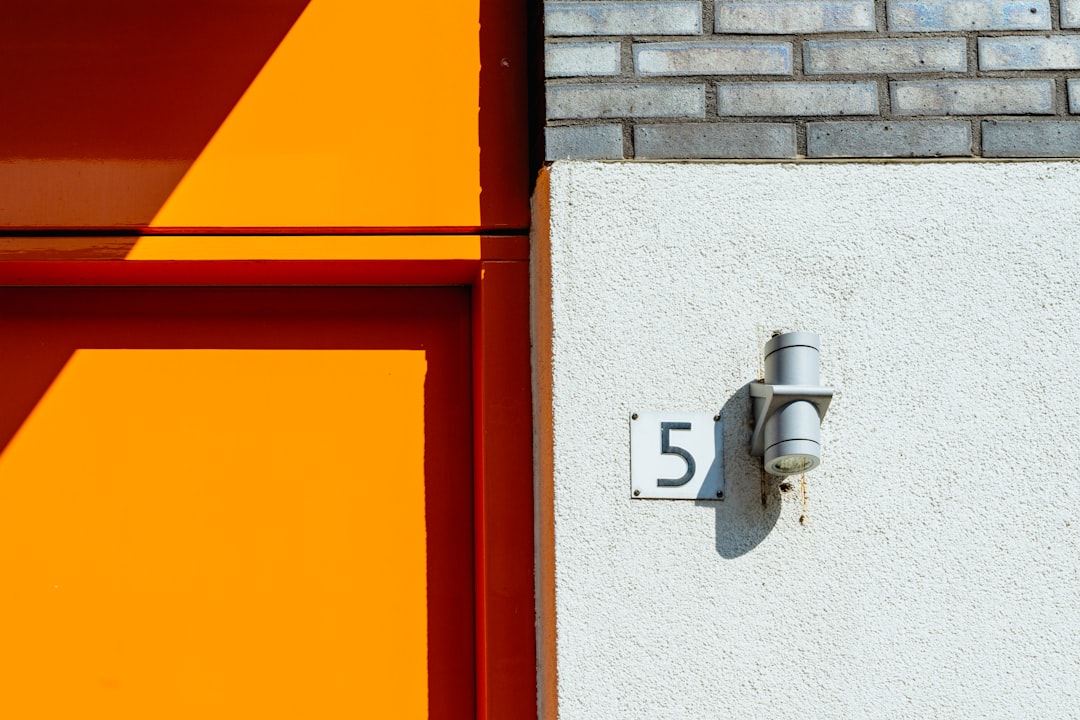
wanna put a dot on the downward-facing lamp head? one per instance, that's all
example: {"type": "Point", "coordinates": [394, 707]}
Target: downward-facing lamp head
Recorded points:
{"type": "Point", "coordinates": [789, 405]}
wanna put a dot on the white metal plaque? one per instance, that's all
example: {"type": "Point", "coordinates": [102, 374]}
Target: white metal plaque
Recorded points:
{"type": "Point", "coordinates": [676, 455]}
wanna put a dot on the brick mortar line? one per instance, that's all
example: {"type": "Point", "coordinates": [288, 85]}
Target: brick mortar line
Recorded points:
{"type": "Point", "coordinates": [793, 119]}
{"type": "Point", "coordinates": [894, 118]}
{"type": "Point", "coordinates": [688, 80]}
{"type": "Point", "coordinates": [892, 160]}
{"type": "Point", "coordinates": [998, 117]}
{"type": "Point", "coordinates": [1061, 95]}
{"type": "Point", "coordinates": [708, 17]}
{"type": "Point", "coordinates": [712, 104]}
{"type": "Point", "coordinates": [845, 35]}
{"type": "Point", "coordinates": [1022, 74]}
{"type": "Point", "coordinates": [626, 58]}
{"type": "Point", "coordinates": [885, 97]}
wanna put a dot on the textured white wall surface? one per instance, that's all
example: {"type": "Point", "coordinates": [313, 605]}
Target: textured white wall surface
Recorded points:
{"type": "Point", "coordinates": [931, 567]}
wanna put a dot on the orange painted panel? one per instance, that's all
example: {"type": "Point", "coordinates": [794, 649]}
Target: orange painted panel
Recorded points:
{"type": "Point", "coordinates": [228, 504]}
{"type": "Point", "coordinates": [271, 114]}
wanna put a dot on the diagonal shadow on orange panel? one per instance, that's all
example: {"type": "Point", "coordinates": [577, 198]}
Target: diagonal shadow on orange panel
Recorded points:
{"type": "Point", "coordinates": [110, 102]}
{"type": "Point", "coordinates": [239, 115]}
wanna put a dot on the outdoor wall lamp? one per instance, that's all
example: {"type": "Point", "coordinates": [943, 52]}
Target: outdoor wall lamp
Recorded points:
{"type": "Point", "coordinates": [790, 405]}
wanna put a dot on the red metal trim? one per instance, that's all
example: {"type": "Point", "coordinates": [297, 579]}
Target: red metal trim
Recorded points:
{"type": "Point", "coordinates": [504, 247]}
{"type": "Point", "coordinates": [236, 272]}
{"type": "Point", "coordinates": [331, 230]}
{"type": "Point", "coordinates": [502, 387]}
{"type": "Point", "coordinates": [94, 260]}
{"type": "Point", "coordinates": [132, 233]}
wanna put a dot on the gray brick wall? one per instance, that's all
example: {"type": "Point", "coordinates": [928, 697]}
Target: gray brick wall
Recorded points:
{"type": "Point", "coordinates": [685, 79]}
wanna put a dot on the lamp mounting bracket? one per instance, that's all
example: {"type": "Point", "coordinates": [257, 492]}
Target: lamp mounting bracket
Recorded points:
{"type": "Point", "coordinates": [767, 399]}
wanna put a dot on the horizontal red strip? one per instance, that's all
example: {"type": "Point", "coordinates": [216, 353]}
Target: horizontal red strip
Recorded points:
{"type": "Point", "coordinates": [236, 272]}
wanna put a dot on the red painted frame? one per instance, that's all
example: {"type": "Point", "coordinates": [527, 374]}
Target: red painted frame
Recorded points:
{"type": "Point", "coordinates": [502, 417]}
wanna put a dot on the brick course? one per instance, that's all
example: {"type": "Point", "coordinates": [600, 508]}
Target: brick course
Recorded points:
{"type": "Point", "coordinates": [794, 98]}
{"type": "Point", "coordinates": [1070, 13]}
{"type": "Point", "coordinates": [632, 101]}
{"type": "Point", "coordinates": [622, 18]}
{"type": "Point", "coordinates": [582, 59]}
{"type": "Point", "coordinates": [584, 142]}
{"type": "Point", "coordinates": [715, 58]}
{"type": "Point", "coordinates": [891, 56]}
{"type": "Point", "coordinates": [715, 140]}
{"type": "Point", "coordinates": [890, 138]}
{"type": "Point", "coordinates": [1029, 53]}
{"type": "Point", "coordinates": [1031, 138]}
{"type": "Point", "coordinates": [973, 97]}
{"type": "Point", "coordinates": [939, 15]}
{"type": "Point", "coordinates": [777, 17]}
{"type": "Point", "coordinates": [817, 78]}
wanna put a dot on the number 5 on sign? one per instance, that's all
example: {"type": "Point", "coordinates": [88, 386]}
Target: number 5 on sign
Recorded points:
{"type": "Point", "coordinates": [676, 456]}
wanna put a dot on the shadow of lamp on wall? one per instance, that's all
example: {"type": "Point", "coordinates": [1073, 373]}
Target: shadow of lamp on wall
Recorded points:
{"type": "Point", "coordinates": [789, 405]}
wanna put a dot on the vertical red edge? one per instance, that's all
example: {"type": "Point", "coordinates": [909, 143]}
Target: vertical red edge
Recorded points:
{"type": "Point", "coordinates": [502, 398]}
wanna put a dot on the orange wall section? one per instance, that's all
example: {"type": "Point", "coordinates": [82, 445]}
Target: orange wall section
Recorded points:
{"type": "Point", "coordinates": [271, 115]}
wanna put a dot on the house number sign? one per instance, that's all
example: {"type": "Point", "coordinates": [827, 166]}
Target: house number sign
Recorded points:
{"type": "Point", "coordinates": [676, 455]}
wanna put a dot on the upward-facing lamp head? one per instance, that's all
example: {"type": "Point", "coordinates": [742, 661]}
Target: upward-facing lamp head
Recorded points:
{"type": "Point", "coordinates": [790, 404]}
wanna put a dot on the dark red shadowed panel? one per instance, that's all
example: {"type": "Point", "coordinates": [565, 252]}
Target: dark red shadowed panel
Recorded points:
{"type": "Point", "coordinates": [116, 98]}
{"type": "Point", "coordinates": [504, 115]}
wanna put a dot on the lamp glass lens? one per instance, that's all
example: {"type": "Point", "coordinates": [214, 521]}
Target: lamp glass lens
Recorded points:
{"type": "Point", "coordinates": [791, 464]}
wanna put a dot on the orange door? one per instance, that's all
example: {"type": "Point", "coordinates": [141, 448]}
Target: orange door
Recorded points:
{"type": "Point", "coordinates": [236, 503]}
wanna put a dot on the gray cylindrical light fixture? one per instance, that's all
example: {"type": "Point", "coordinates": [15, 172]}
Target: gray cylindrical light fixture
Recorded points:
{"type": "Point", "coordinates": [790, 404]}
{"type": "Point", "coordinates": [793, 431]}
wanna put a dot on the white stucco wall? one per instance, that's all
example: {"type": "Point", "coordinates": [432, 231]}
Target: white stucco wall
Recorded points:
{"type": "Point", "coordinates": [932, 567]}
